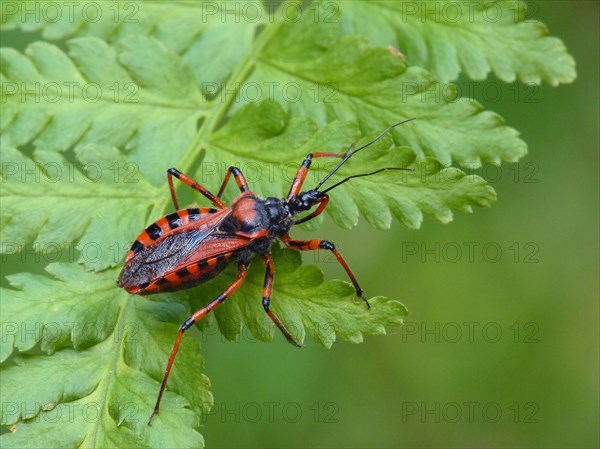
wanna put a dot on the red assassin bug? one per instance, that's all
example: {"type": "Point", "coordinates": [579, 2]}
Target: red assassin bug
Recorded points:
{"type": "Point", "coordinates": [193, 245]}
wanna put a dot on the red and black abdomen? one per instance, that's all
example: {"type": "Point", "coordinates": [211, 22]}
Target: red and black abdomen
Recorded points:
{"type": "Point", "coordinates": [187, 276]}
{"type": "Point", "coordinates": [165, 226]}
{"type": "Point", "coordinates": [179, 251]}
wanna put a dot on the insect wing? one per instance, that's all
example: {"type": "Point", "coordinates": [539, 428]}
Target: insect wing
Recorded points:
{"type": "Point", "coordinates": [170, 251]}
{"type": "Point", "coordinates": [216, 244]}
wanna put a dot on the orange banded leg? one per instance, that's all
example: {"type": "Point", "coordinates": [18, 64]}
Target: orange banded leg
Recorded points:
{"type": "Point", "coordinates": [242, 271]}
{"type": "Point", "coordinates": [266, 302]}
{"type": "Point", "coordinates": [303, 171]}
{"type": "Point", "coordinates": [311, 245]}
{"type": "Point", "coordinates": [239, 179]}
{"type": "Point", "coordinates": [193, 184]}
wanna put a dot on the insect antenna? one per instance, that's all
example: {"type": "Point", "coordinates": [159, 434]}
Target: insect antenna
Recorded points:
{"type": "Point", "coordinates": [352, 153]}
{"type": "Point", "coordinates": [363, 174]}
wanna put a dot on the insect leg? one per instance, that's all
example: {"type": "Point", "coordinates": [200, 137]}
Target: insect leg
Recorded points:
{"type": "Point", "coordinates": [322, 205]}
{"type": "Point", "coordinates": [242, 271]}
{"type": "Point", "coordinates": [239, 179]}
{"type": "Point", "coordinates": [193, 184]}
{"type": "Point", "coordinates": [303, 171]}
{"type": "Point", "coordinates": [266, 302]}
{"type": "Point", "coordinates": [311, 245]}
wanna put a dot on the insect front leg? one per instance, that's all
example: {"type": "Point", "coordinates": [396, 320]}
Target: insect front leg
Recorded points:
{"type": "Point", "coordinates": [242, 271]}
{"type": "Point", "coordinates": [312, 245]}
{"type": "Point", "coordinates": [173, 172]}
{"type": "Point", "coordinates": [303, 170]}
{"type": "Point", "coordinates": [266, 302]}
{"type": "Point", "coordinates": [322, 205]}
{"type": "Point", "coordinates": [239, 179]}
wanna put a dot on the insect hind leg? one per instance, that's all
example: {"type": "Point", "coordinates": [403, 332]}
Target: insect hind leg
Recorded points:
{"type": "Point", "coordinates": [242, 271]}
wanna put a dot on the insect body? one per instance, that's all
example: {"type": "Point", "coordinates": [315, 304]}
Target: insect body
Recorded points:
{"type": "Point", "coordinates": [193, 245]}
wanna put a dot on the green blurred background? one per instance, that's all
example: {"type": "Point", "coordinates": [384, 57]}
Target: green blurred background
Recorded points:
{"type": "Point", "coordinates": [442, 380]}
{"type": "Point", "coordinates": [501, 347]}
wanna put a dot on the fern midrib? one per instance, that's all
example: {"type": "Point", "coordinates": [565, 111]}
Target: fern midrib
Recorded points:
{"type": "Point", "coordinates": [219, 110]}
{"type": "Point", "coordinates": [104, 385]}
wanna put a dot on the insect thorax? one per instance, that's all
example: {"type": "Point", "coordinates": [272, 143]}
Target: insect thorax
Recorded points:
{"type": "Point", "coordinates": [251, 214]}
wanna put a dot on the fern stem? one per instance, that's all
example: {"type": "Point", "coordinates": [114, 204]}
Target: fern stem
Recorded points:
{"type": "Point", "coordinates": [220, 109]}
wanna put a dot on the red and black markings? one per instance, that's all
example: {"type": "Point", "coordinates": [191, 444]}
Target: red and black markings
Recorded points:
{"type": "Point", "coordinates": [167, 224]}
{"type": "Point", "coordinates": [239, 180]}
{"type": "Point", "coordinates": [190, 246]}
{"type": "Point", "coordinates": [187, 276]}
{"type": "Point", "coordinates": [173, 172]}
{"type": "Point", "coordinates": [266, 301]}
{"type": "Point", "coordinates": [242, 272]}
{"type": "Point", "coordinates": [245, 210]}
{"type": "Point", "coordinates": [312, 245]}
{"type": "Point", "coordinates": [303, 170]}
